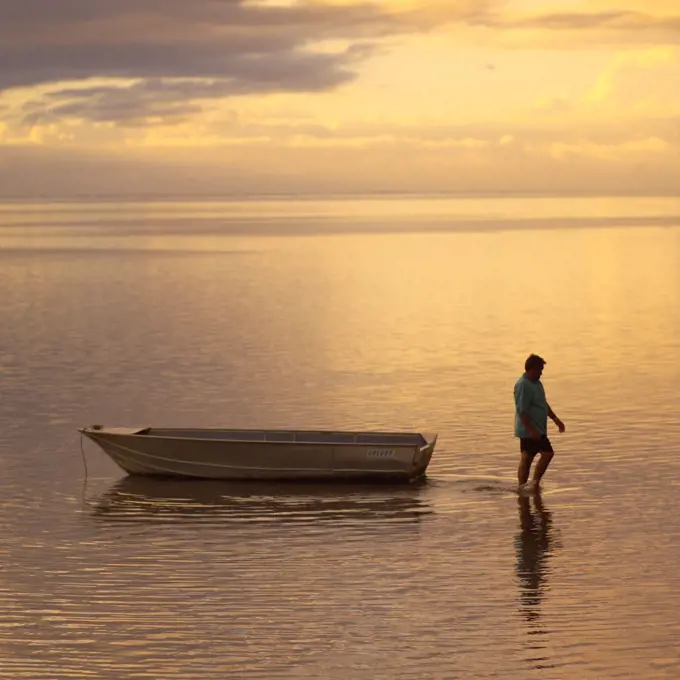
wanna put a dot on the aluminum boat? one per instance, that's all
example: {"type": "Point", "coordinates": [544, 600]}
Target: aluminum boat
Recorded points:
{"type": "Point", "coordinates": [266, 454]}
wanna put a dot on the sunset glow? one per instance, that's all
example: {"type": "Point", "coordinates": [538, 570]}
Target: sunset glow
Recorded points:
{"type": "Point", "coordinates": [313, 96]}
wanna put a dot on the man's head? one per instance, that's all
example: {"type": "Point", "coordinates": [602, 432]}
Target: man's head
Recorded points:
{"type": "Point", "coordinates": [533, 366]}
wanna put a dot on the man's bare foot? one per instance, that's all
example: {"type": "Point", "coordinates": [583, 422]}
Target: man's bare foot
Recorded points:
{"type": "Point", "coordinates": [527, 487]}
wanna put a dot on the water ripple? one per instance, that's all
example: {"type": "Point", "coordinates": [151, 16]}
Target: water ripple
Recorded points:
{"type": "Point", "coordinates": [109, 577]}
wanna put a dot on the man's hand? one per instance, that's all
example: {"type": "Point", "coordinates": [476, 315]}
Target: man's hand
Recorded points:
{"type": "Point", "coordinates": [556, 420]}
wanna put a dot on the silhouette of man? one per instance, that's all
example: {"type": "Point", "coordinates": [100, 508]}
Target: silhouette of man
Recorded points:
{"type": "Point", "coordinates": [531, 421]}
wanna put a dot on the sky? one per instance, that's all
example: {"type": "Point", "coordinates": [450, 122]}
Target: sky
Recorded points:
{"type": "Point", "coordinates": [224, 97]}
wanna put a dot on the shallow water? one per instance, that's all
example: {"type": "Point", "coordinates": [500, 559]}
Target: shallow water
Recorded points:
{"type": "Point", "coordinates": [394, 314]}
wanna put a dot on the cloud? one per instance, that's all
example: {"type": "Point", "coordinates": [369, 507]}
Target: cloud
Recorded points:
{"type": "Point", "coordinates": [559, 30]}
{"type": "Point", "coordinates": [173, 100]}
{"type": "Point", "coordinates": [153, 59]}
{"type": "Point", "coordinates": [578, 21]}
{"type": "Point", "coordinates": [269, 46]}
{"type": "Point", "coordinates": [634, 166]}
{"type": "Point", "coordinates": [639, 78]}
{"type": "Point", "coordinates": [260, 47]}
{"type": "Point", "coordinates": [162, 62]}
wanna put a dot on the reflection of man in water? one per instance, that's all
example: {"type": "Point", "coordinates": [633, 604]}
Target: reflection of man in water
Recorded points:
{"type": "Point", "coordinates": [533, 550]}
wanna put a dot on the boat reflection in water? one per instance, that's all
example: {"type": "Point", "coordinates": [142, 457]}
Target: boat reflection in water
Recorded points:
{"type": "Point", "coordinates": [144, 499]}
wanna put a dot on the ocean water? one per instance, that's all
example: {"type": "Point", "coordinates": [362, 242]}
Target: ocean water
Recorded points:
{"type": "Point", "coordinates": [381, 312]}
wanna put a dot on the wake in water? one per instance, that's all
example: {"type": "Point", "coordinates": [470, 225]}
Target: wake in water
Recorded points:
{"type": "Point", "coordinates": [492, 484]}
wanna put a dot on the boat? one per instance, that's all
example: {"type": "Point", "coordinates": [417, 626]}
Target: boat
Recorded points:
{"type": "Point", "coordinates": [241, 454]}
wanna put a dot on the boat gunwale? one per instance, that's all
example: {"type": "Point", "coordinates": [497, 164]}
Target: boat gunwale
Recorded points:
{"type": "Point", "coordinates": [140, 434]}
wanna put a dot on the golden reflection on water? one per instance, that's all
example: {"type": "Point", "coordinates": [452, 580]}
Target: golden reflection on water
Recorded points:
{"type": "Point", "coordinates": [457, 577]}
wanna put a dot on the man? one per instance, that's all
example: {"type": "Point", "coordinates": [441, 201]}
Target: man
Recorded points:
{"type": "Point", "coordinates": [531, 421]}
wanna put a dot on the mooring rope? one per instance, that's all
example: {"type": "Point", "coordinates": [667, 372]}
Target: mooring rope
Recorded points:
{"type": "Point", "coordinates": [82, 453]}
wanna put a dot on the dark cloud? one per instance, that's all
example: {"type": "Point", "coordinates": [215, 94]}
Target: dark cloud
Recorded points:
{"type": "Point", "coordinates": [45, 41]}
{"type": "Point", "coordinates": [173, 100]}
{"type": "Point", "coordinates": [228, 47]}
{"type": "Point", "coordinates": [134, 105]}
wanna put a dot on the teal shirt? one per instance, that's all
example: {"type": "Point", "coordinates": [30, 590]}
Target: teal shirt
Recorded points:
{"type": "Point", "coordinates": [530, 399]}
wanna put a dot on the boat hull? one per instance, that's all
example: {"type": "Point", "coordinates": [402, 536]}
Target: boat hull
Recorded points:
{"type": "Point", "coordinates": [206, 454]}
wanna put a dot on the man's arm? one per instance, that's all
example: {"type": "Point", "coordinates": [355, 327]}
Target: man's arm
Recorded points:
{"type": "Point", "coordinates": [555, 419]}
{"type": "Point", "coordinates": [526, 421]}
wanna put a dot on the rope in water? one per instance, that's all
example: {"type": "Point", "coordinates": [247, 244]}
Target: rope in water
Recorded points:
{"type": "Point", "coordinates": [82, 452]}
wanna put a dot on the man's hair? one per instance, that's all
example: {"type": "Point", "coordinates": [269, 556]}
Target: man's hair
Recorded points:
{"type": "Point", "coordinates": [534, 361]}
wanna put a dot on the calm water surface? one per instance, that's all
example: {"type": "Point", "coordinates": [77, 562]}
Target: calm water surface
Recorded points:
{"type": "Point", "coordinates": [354, 314]}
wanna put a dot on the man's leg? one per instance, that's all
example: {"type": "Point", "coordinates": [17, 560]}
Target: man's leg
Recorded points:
{"type": "Point", "coordinates": [542, 465]}
{"type": "Point", "coordinates": [524, 467]}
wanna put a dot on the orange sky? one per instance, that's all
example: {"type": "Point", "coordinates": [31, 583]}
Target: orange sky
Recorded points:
{"type": "Point", "coordinates": [478, 95]}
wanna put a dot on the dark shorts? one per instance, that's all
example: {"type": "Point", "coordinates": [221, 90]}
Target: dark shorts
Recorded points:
{"type": "Point", "coordinates": [531, 446]}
